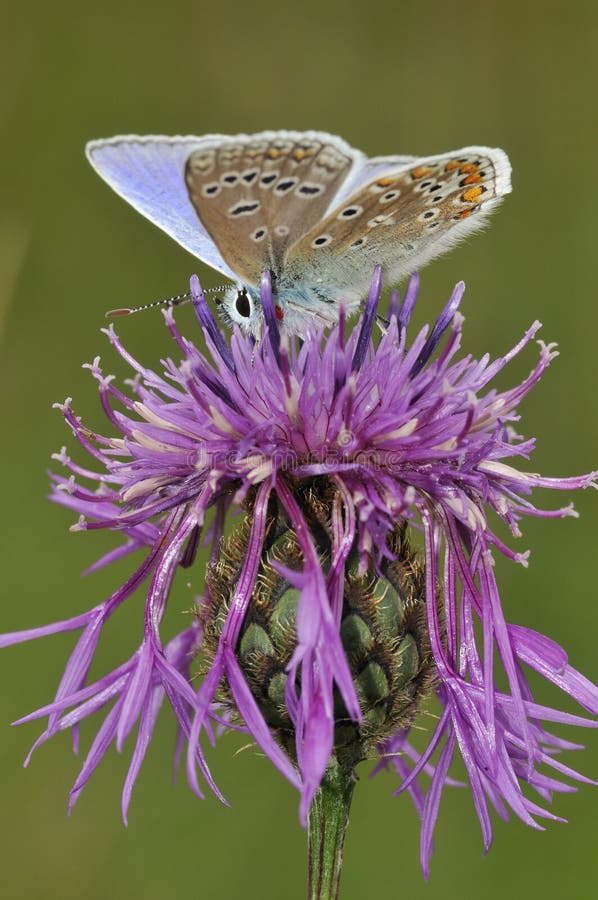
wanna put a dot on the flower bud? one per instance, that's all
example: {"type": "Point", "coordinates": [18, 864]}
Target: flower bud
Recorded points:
{"type": "Point", "coordinates": [383, 630]}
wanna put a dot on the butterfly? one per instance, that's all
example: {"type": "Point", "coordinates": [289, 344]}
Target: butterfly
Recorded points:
{"type": "Point", "coordinates": [315, 212]}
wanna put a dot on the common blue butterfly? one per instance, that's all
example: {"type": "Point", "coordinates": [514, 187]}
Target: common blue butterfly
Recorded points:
{"type": "Point", "coordinates": [305, 205]}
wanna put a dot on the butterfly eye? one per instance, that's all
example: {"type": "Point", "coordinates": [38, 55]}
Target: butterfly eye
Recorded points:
{"type": "Point", "coordinates": [242, 304]}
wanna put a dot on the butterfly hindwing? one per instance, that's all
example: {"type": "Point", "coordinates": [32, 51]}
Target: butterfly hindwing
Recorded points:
{"type": "Point", "coordinates": [401, 218]}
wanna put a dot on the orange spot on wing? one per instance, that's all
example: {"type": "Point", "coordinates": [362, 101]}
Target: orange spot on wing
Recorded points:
{"type": "Point", "coordinates": [451, 165]}
{"type": "Point", "coordinates": [464, 213]}
{"type": "Point", "coordinates": [300, 154]}
{"type": "Point", "coordinates": [420, 171]}
{"type": "Point", "coordinates": [468, 167]}
{"type": "Point", "coordinates": [471, 194]}
{"type": "Point", "coordinates": [273, 153]}
{"type": "Point", "coordinates": [279, 313]}
{"type": "Point", "coordinates": [471, 179]}
{"type": "Point", "coordinates": [386, 182]}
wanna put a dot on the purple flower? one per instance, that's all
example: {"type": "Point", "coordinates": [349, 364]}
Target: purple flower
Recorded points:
{"type": "Point", "coordinates": [330, 445]}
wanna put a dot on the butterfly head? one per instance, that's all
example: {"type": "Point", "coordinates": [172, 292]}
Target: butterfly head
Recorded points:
{"type": "Point", "coordinates": [240, 305]}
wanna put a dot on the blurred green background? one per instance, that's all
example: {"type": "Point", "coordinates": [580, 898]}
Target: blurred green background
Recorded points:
{"type": "Point", "coordinates": [390, 78]}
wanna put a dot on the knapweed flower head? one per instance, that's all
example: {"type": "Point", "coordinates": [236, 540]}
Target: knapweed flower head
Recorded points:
{"type": "Point", "coordinates": [308, 466]}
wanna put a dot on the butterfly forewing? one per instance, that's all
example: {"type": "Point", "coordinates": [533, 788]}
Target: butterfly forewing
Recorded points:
{"type": "Point", "coordinates": [258, 196]}
{"type": "Point", "coordinates": [403, 217]}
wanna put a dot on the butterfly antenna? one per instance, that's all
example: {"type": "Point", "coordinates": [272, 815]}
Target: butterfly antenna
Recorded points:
{"type": "Point", "coordinates": [167, 301]}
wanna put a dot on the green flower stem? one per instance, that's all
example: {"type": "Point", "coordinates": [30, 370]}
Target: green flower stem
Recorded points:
{"type": "Point", "coordinates": [327, 824]}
